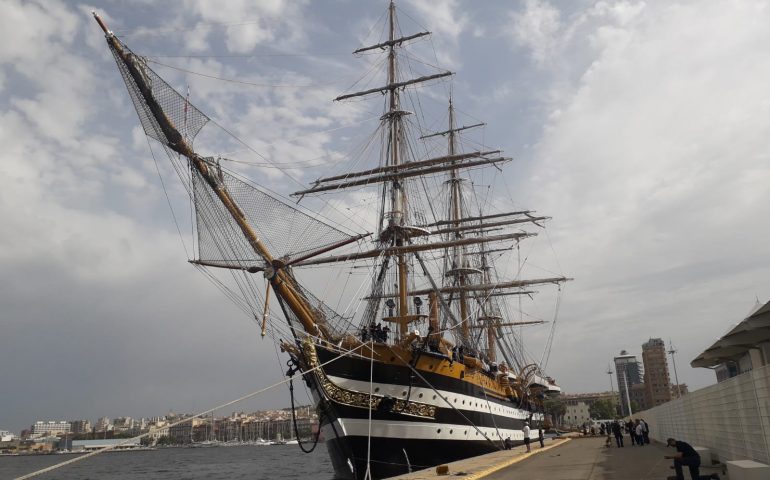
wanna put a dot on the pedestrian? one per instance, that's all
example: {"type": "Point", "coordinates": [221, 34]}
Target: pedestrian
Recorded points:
{"type": "Point", "coordinates": [638, 432]}
{"type": "Point", "coordinates": [508, 444]}
{"type": "Point", "coordinates": [525, 430]}
{"type": "Point", "coordinates": [616, 430]}
{"type": "Point", "coordinates": [540, 436]}
{"type": "Point", "coordinates": [645, 431]}
{"type": "Point", "coordinates": [631, 433]}
{"type": "Point", "coordinates": [686, 455]}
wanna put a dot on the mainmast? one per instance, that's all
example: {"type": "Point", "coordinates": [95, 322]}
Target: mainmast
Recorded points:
{"type": "Point", "coordinates": [398, 197]}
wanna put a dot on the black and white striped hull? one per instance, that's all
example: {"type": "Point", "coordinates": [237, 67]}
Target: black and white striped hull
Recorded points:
{"type": "Point", "coordinates": [393, 443]}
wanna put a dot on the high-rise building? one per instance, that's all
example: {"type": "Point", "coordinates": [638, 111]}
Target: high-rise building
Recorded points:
{"type": "Point", "coordinates": [628, 373]}
{"type": "Point", "coordinates": [80, 426]}
{"type": "Point", "coordinates": [656, 378]}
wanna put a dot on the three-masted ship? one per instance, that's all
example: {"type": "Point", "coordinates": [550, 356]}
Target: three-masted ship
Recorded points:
{"type": "Point", "coordinates": [430, 370]}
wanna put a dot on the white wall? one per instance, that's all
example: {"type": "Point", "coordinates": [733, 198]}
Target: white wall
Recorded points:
{"type": "Point", "coordinates": [731, 418]}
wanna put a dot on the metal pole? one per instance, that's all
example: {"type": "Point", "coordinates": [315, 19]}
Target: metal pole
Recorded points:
{"type": "Point", "coordinates": [676, 377]}
{"type": "Point", "coordinates": [612, 387]}
{"type": "Point", "coordinates": [628, 397]}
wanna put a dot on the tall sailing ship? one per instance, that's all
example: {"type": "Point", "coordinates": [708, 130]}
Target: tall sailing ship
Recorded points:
{"type": "Point", "coordinates": [431, 369]}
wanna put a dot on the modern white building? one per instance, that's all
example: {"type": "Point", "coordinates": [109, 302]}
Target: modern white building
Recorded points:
{"type": "Point", "coordinates": [50, 428]}
{"type": "Point", "coordinates": [6, 436]}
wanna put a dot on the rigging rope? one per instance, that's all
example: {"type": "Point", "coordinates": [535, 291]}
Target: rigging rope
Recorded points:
{"type": "Point", "coordinates": [188, 419]}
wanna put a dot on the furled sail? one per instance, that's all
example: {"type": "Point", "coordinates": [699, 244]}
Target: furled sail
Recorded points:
{"type": "Point", "coordinates": [285, 230]}
{"type": "Point", "coordinates": [186, 119]}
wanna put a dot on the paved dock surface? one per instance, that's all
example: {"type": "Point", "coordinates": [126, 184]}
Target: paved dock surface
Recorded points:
{"type": "Point", "coordinates": [576, 459]}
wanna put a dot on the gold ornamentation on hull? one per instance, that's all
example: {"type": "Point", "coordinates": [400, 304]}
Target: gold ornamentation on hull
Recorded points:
{"type": "Point", "coordinates": [358, 399]}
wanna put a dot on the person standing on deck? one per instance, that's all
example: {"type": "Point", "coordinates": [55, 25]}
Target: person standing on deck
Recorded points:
{"type": "Point", "coordinates": [525, 430]}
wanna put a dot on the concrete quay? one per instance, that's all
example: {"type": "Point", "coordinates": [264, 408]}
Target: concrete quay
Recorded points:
{"type": "Point", "coordinates": [565, 459]}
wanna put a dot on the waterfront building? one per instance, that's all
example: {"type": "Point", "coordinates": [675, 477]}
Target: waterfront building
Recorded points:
{"type": "Point", "coordinates": [744, 348]}
{"type": "Point", "coordinates": [157, 428]}
{"type": "Point", "coordinates": [50, 428]}
{"type": "Point", "coordinates": [657, 381]}
{"type": "Point", "coordinates": [124, 425]}
{"type": "Point", "coordinates": [578, 406]}
{"type": "Point", "coordinates": [576, 413]}
{"type": "Point", "coordinates": [79, 427]}
{"type": "Point", "coordinates": [103, 425]}
{"type": "Point", "coordinates": [628, 372]}
{"type": "Point", "coordinates": [98, 444]}
{"type": "Point", "coordinates": [6, 436]}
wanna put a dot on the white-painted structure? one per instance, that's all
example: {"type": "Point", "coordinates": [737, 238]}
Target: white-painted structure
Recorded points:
{"type": "Point", "coordinates": [747, 470]}
{"type": "Point", "coordinates": [731, 418]}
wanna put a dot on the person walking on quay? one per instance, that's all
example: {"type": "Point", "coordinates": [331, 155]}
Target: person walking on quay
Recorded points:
{"type": "Point", "coordinates": [645, 431]}
{"type": "Point", "coordinates": [540, 436]}
{"type": "Point", "coordinates": [631, 433]}
{"type": "Point", "coordinates": [686, 455]}
{"type": "Point", "coordinates": [616, 430]}
{"type": "Point", "coordinates": [525, 430]}
{"type": "Point", "coordinates": [638, 432]}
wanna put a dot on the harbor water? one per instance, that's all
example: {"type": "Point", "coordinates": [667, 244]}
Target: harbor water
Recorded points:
{"type": "Point", "coordinates": [232, 463]}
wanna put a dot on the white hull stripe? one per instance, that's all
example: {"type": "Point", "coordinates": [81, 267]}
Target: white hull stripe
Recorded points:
{"type": "Point", "coordinates": [421, 430]}
{"type": "Point", "coordinates": [429, 396]}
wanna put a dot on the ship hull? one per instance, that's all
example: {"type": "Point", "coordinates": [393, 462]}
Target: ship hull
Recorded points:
{"type": "Point", "coordinates": [466, 421]}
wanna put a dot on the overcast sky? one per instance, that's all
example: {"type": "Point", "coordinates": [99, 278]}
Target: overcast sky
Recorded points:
{"type": "Point", "coordinates": [641, 127]}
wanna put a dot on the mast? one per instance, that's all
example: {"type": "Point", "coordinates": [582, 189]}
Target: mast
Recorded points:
{"type": "Point", "coordinates": [455, 215]}
{"type": "Point", "coordinates": [398, 197]}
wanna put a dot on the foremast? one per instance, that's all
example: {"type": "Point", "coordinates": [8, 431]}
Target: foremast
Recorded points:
{"type": "Point", "coordinates": [283, 283]}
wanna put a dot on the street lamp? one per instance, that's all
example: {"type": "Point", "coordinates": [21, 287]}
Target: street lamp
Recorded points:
{"type": "Point", "coordinates": [676, 377]}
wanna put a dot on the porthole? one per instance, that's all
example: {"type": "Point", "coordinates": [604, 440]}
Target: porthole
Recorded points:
{"type": "Point", "coordinates": [434, 397]}
{"type": "Point", "coordinates": [463, 402]}
{"type": "Point", "coordinates": [438, 430]}
{"type": "Point", "coordinates": [403, 394]}
{"type": "Point", "coordinates": [455, 400]}
{"type": "Point", "coordinates": [421, 395]}
{"type": "Point", "coordinates": [466, 432]}
{"type": "Point", "coordinates": [377, 389]}
{"type": "Point", "coordinates": [451, 431]}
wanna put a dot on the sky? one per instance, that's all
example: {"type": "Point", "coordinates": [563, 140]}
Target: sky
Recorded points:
{"type": "Point", "coordinates": [640, 127]}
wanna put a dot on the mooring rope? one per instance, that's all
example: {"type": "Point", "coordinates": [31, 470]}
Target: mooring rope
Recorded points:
{"type": "Point", "coordinates": [188, 419]}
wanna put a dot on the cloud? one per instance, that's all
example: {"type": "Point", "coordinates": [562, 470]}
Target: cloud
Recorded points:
{"type": "Point", "coordinates": [651, 161]}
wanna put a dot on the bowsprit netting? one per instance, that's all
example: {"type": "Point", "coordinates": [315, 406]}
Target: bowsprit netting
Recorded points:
{"type": "Point", "coordinates": [286, 231]}
{"type": "Point", "coordinates": [187, 119]}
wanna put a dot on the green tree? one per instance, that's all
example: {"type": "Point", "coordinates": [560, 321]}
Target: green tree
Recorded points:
{"type": "Point", "coordinates": [556, 408]}
{"type": "Point", "coordinates": [602, 409]}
